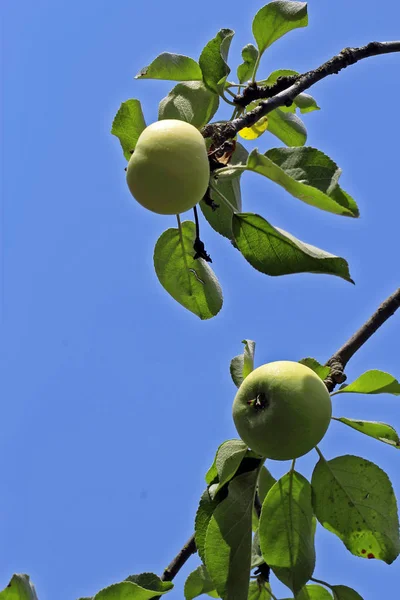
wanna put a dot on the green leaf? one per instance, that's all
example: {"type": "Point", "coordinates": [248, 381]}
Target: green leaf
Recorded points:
{"type": "Point", "coordinates": [342, 592]}
{"type": "Point", "coordinates": [287, 127]}
{"type": "Point", "coordinates": [128, 124]}
{"type": "Point", "coordinates": [228, 540]}
{"type": "Point", "coordinates": [227, 461]}
{"type": "Point", "coordinates": [150, 581]}
{"type": "Point", "coordinates": [372, 382]}
{"type": "Point", "coordinates": [191, 282]}
{"type": "Point", "coordinates": [307, 174]}
{"type": "Point", "coordinates": [228, 184]}
{"type": "Point", "coordinates": [243, 364]}
{"type": "Point", "coordinates": [286, 530]}
{"type": "Point", "coordinates": [246, 69]}
{"type": "Point", "coordinates": [213, 60]}
{"type": "Point", "coordinates": [319, 369]}
{"type": "Point", "coordinates": [171, 67]}
{"type": "Point", "coordinates": [199, 582]}
{"type": "Point", "coordinates": [19, 588]}
{"type": "Point", "coordinates": [204, 513]}
{"type": "Point", "coordinates": [380, 431]}
{"type": "Point", "coordinates": [276, 19]}
{"type": "Point", "coordinates": [313, 592]}
{"type": "Point", "coordinates": [135, 587]}
{"type": "Point", "coordinates": [259, 590]}
{"type": "Point", "coordinates": [257, 558]}
{"type": "Point", "coordinates": [276, 252]}
{"type": "Point", "coordinates": [354, 499]}
{"type": "Point", "coordinates": [306, 103]}
{"type": "Point", "coordinates": [191, 102]}
{"type": "Point", "coordinates": [220, 219]}
{"type": "Point", "coordinates": [265, 483]}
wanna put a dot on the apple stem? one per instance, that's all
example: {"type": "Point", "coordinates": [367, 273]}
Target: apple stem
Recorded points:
{"type": "Point", "coordinates": [198, 245]}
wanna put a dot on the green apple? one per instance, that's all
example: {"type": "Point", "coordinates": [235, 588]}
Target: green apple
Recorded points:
{"type": "Point", "coordinates": [169, 172]}
{"type": "Point", "coordinates": [282, 410]}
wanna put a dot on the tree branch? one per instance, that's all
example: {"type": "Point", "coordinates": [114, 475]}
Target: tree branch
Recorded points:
{"type": "Point", "coordinates": [339, 360]}
{"type": "Point", "coordinates": [345, 58]}
{"type": "Point", "coordinates": [177, 563]}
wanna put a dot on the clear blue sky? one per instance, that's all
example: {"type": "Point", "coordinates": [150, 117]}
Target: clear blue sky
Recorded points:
{"type": "Point", "coordinates": [114, 398]}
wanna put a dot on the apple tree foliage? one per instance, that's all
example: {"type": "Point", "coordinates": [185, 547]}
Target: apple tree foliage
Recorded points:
{"type": "Point", "coordinates": [303, 171]}
{"type": "Point", "coordinates": [249, 526]}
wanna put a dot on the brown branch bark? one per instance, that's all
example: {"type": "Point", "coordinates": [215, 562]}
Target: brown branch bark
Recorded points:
{"type": "Point", "coordinates": [339, 360]}
{"type": "Point", "coordinates": [177, 563]}
{"type": "Point", "coordinates": [345, 58]}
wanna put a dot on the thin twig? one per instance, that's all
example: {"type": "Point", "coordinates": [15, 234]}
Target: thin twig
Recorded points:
{"type": "Point", "coordinates": [348, 56]}
{"type": "Point", "coordinates": [339, 360]}
{"type": "Point", "coordinates": [177, 563]}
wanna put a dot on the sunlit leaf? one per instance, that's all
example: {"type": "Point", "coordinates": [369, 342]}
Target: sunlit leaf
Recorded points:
{"type": "Point", "coordinates": [172, 67]}
{"type": "Point", "coordinates": [313, 592]}
{"type": "Point", "coordinates": [380, 431]}
{"type": "Point", "coordinates": [243, 364]}
{"type": "Point", "coordinates": [190, 282]}
{"type": "Point", "coordinates": [254, 131]}
{"type": "Point", "coordinates": [191, 102]}
{"type": "Point", "coordinates": [287, 127]}
{"type": "Point", "coordinates": [150, 581]}
{"type": "Point", "coordinates": [135, 587]}
{"type": "Point", "coordinates": [199, 582]}
{"type": "Point", "coordinates": [246, 69]}
{"type": "Point", "coordinates": [229, 536]}
{"type": "Point", "coordinates": [372, 382]}
{"type": "Point", "coordinates": [342, 592]}
{"type": "Point", "coordinates": [286, 530]}
{"type": "Point", "coordinates": [307, 174]}
{"type": "Point", "coordinates": [259, 591]}
{"type": "Point", "coordinates": [128, 124]}
{"type": "Point", "coordinates": [213, 60]}
{"type": "Point", "coordinates": [306, 103]}
{"type": "Point", "coordinates": [354, 499]}
{"type": "Point", "coordinates": [204, 513]}
{"type": "Point", "coordinates": [319, 369]}
{"type": "Point", "coordinates": [19, 588]}
{"type": "Point", "coordinates": [276, 252]}
{"type": "Point", "coordinates": [276, 19]}
{"type": "Point", "coordinates": [227, 461]}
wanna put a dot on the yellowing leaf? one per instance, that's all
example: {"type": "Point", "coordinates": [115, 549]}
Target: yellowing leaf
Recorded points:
{"type": "Point", "coordinates": [253, 132]}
